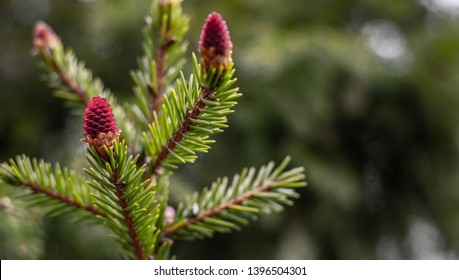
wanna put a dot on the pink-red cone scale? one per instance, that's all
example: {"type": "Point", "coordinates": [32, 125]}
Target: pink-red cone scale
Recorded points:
{"type": "Point", "coordinates": [98, 118]}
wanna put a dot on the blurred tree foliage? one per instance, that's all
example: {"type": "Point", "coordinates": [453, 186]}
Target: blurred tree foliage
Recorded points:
{"type": "Point", "coordinates": [363, 93]}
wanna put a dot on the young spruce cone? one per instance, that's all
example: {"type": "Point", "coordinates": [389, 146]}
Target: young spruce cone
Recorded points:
{"type": "Point", "coordinates": [99, 124]}
{"type": "Point", "coordinates": [215, 43]}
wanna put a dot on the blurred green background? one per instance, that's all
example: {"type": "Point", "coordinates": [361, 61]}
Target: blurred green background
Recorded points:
{"type": "Point", "coordinates": [362, 93]}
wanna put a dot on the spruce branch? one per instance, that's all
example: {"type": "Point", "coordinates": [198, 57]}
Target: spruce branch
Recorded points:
{"type": "Point", "coordinates": [223, 208]}
{"type": "Point", "coordinates": [182, 130]}
{"type": "Point", "coordinates": [50, 187]}
{"type": "Point", "coordinates": [112, 171]}
{"type": "Point", "coordinates": [127, 201]}
{"type": "Point", "coordinates": [38, 189]}
{"type": "Point", "coordinates": [217, 210]}
{"type": "Point", "coordinates": [128, 219]}
{"type": "Point", "coordinates": [163, 48]}
{"type": "Point", "coordinates": [72, 81]}
{"type": "Point", "coordinates": [196, 108]}
{"type": "Point", "coordinates": [191, 114]}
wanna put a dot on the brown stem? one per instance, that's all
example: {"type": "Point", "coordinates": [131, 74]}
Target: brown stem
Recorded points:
{"type": "Point", "coordinates": [128, 220]}
{"type": "Point", "coordinates": [217, 210]}
{"type": "Point", "coordinates": [158, 96]}
{"type": "Point", "coordinates": [65, 199]}
{"type": "Point", "coordinates": [166, 39]}
{"type": "Point", "coordinates": [182, 130]}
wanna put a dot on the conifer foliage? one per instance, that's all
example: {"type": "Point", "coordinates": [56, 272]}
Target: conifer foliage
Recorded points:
{"type": "Point", "coordinates": [133, 148]}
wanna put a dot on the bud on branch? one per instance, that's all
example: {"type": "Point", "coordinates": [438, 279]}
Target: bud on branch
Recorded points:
{"type": "Point", "coordinates": [44, 37]}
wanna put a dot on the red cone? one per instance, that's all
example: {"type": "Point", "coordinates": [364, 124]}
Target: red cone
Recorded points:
{"type": "Point", "coordinates": [99, 124]}
{"type": "Point", "coordinates": [215, 42]}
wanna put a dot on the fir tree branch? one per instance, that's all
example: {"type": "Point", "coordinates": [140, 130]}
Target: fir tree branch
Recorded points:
{"type": "Point", "coordinates": [217, 210]}
{"type": "Point", "coordinates": [69, 77]}
{"type": "Point", "coordinates": [128, 219]}
{"type": "Point", "coordinates": [131, 211]}
{"type": "Point", "coordinates": [48, 185]}
{"type": "Point", "coordinates": [36, 188]}
{"type": "Point", "coordinates": [223, 208]}
{"type": "Point", "coordinates": [163, 48]}
{"type": "Point", "coordinates": [183, 129]}
{"type": "Point", "coordinates": [192, 112]}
